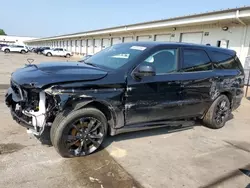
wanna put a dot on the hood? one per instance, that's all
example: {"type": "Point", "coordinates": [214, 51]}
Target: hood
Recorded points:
{"type": "Point", "coordinates": [56, 72]}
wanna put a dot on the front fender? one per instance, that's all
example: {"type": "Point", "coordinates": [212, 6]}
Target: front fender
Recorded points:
{"type": "Point", "coordinates": [78, 102]}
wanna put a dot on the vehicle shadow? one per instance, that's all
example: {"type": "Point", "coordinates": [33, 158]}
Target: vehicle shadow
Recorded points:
{"type": "Point", "coordinates": [143, 134]}
{"type": "Point", "coordinates": [227, 177]}
{"type": "Point", "coordinates": [150, 132]}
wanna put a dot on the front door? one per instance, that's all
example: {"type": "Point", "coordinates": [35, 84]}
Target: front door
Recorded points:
{"type": "Point", "coordinates": [155, 98]}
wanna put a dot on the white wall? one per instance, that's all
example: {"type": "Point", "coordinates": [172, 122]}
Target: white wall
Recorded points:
{"type": "Point", "coordinates": [237, 34]}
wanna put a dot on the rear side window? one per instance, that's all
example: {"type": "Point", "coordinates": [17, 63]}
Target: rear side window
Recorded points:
{"type": "Point", "coordinates": [224, 61]}
{"type": "Point", "coordinates": [195, 60]}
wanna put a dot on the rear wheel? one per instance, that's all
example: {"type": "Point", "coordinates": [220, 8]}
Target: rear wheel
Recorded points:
{"type": "Point", "coordinates": [218, 113]}
{"type": "Point", "coordinates": [7, 51]}
{"type": "Point", "coordinates": [38, 52]}
{"type": "Point", "coordinates": [49, 54]}
{"type": "Point", "coordinates": [79, 133]}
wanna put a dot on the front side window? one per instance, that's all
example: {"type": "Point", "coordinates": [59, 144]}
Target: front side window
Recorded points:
{"type": "Point", "coordinates": [115, 56]}
{"type": "Point", "coordinates": [195, 60]}
{"type": "Point", "coordinates": [164, 61]}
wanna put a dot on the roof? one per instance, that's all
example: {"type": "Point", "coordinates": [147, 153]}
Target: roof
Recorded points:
{"type": "Point", "coordinates": [130, 27]}
{"type": "Point", "coordinates": [152, 44]}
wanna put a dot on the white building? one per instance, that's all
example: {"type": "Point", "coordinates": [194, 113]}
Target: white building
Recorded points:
{"type": "Point", "coordinates": [225, 28]}
{"type": "Point", "coordinates": [6, 39]}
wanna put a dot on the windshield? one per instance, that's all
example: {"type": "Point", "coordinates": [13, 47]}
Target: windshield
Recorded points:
{"type": "Point", "coordinates": [115, 56]}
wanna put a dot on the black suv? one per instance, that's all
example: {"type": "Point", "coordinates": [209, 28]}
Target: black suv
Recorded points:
{"type": "Point", "coordinates": [126, 87]}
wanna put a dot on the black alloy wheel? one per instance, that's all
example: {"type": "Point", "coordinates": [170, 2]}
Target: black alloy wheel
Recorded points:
{"type": "Point", "coordinates": [80, 132]}
{"type": "Point", "coordinates": [218, 113]}
{"type": "Point", "coordinates": [221, 112]}
{"type": "Point", "coordinates": [84, 136]}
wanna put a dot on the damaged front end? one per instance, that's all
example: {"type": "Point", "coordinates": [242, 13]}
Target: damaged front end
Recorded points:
{"type": "Point", "coordinates": [32, 108]}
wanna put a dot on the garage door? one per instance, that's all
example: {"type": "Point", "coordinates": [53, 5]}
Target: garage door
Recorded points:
{"type": "Point", "coordinates": [191, 38]}
{"type": "Point", "coordinates": [105, 43]}
{"type": "Point", "coordinates": [143, 38]}
{"type": "Point", "coordinates": [97, 45]}
{"type": "Point", "coordinates": [116, 41]}
{"type": "Point", "coordinates": [83, 47]}
{"type": "Point", "coordinates": [128, 39]}
{"type": "Point", "coordinates": [90, 47]}
{"type": "Point", "coordinates": [162, 37]}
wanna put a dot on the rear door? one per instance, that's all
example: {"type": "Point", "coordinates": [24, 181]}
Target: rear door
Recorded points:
{"type": "Point", "coordinates": [197, 81]}
{"type": "Point", "coordinates": [155, 98]}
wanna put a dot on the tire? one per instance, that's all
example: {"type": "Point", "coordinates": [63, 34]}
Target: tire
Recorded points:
{"type": "Point", "coordinates": [67, 56]}
{"type": "Point", "coordinates": [218, 113]}
{"type": "Point", "coordinates": [78, 133]}
{"type": "Point", "coordinates": [7, 51]}
{"type": "Point", "coordinates": [23, 51]}
{"type": "Point", "coordinates": [49, 54]}
{"type": "Point", "coordinates": [39, 52]}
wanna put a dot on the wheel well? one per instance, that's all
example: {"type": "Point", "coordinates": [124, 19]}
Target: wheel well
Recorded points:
{"type": "Point", "coordinates": [105, 110]}
{"type": "Point", "coordinates": [229, 96]}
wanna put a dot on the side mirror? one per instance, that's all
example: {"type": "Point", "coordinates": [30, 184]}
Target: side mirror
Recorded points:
{"type": "Point", "coordinates": [144, 70]}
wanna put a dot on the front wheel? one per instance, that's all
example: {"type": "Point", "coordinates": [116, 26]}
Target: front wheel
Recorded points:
{"type": "Point", "coordinates": [23, 51]}
{"type": "Point", "coordinates": [218, 113]}
{"type": "Point", "coordinates": [79, 133]}
{"type": "Point", "coordinates": [49, 54]}
{"type": "Point", "coordinates": [67, 56]}
{"type": "Point", "coordinates": [7, 51]}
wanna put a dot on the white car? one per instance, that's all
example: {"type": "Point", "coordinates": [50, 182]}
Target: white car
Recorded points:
{"type": "Point", "coordinates": [15, 48]}
{"type": "Point", "coordinates": [57, 52]}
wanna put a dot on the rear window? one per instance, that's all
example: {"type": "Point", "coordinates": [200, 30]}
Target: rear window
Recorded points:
{"type": "Point", "coordinates": [195, 60]}
{"type": "Point", "coordinates": [224, 61]}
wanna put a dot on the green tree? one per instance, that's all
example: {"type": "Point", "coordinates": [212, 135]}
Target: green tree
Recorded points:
{"type": "Point", "coordinates": [2, 32]}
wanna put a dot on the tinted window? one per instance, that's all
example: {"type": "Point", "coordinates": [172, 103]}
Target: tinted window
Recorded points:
{"type": "Point", "coordinates": [196, 60]}
{"type": "Point", "coordinates": [60, 49]}
{"type": "Point", "coordinates": [224, 61]}
{"type": "Point", "coordinates": [164, 61]}
{"type": "Point", "coordinates": [20, 46]}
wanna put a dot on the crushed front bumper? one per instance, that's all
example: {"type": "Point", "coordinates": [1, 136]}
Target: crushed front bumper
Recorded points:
{"type": "Point", "coordinates": [11, 99]}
